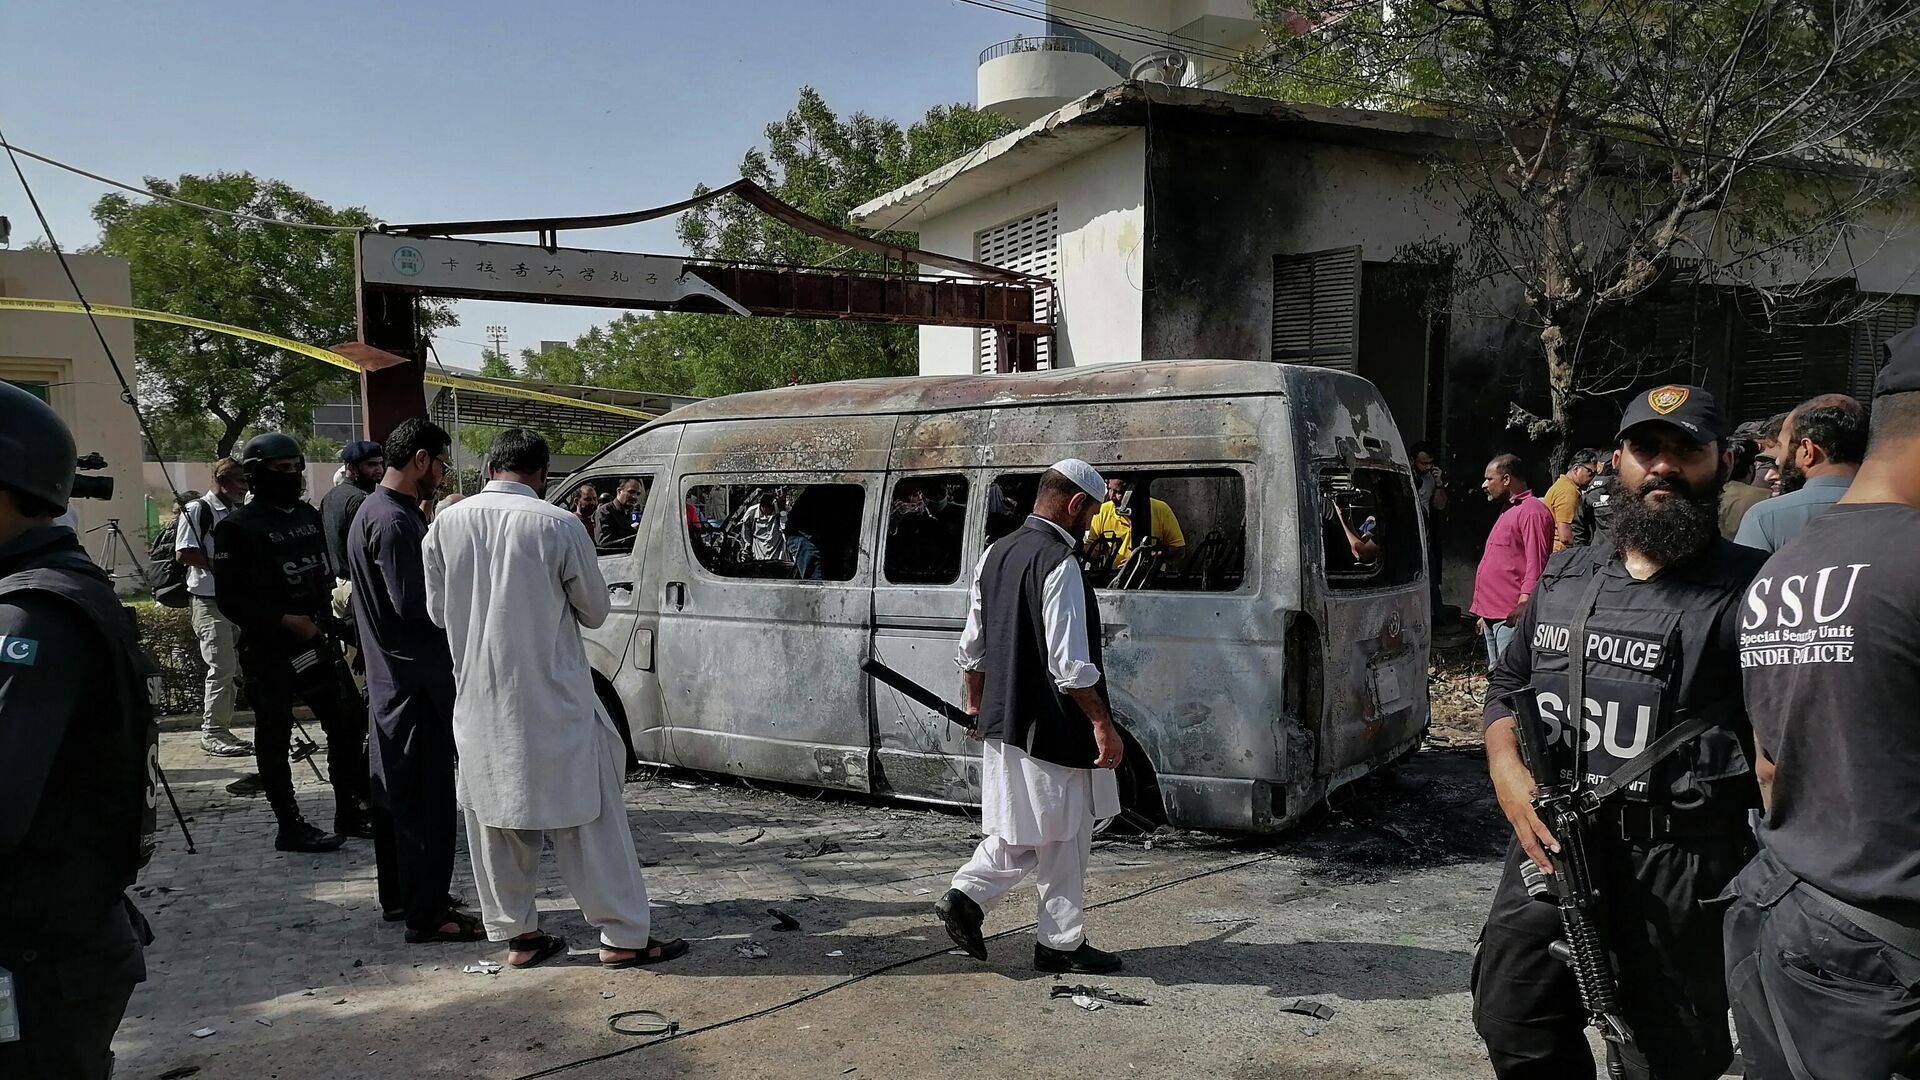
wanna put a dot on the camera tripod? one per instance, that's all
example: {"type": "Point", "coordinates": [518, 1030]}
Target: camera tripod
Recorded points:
{"type": "Point", "coordinates": [109, 559]}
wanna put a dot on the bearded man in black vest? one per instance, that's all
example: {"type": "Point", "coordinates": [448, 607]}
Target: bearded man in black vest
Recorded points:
{"type": "Point", "coordinates": [1031, 657]}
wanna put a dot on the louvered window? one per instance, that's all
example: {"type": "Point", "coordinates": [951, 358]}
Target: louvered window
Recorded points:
{"type": "Point", "coordinates": [1887, 316]}
{"type": "Point", "coordinates": [1316, 304]}
{"type": "Point", "coordinates": [1030, 245]}
{"type": "Point", "coordinates": [1799, 355]}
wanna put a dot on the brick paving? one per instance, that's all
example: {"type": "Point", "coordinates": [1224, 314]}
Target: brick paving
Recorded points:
{"type": "Point", "coordinates": [271, 949]}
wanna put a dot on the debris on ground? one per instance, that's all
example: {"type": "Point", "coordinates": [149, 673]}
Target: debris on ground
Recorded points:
{"type": "Point", "coordinates": [782, 920]}
{"type": "Point", "coordinates": [483, 967]}
{"type": "Point", "coordinates": [1095, 993]}
{"type": "Point", "coordinates": [263, 1021]}
{"type": "Point", "coordinates": [1317, 1010]}
{"type": "Point", "coordinates": [824, 847]}
{"type": "Point", "coordinates": [838, 952]}
{"type": "Point", "coordinates": [1088, 1003]}
{"type": "Point", "coordinates": [202, 1033]}
{"type": "Point", "coordinates": [757, 834]}
{"type": "Point", "coordinates": [180, 1072]}
{"type": "Point", "coordinates": [751, 950]}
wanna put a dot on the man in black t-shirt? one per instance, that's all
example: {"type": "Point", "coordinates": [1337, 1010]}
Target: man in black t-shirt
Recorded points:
{"type": "Point", "coordinates": [1823, 939]}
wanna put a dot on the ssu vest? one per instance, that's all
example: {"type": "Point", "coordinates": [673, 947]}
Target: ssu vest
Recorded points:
{"type": "Point", "coordinates": [1020, 704]}
{"type": "Point", "coordinates": [1659, 652]}
{"type": "Point", "coordinates": [85, 847]}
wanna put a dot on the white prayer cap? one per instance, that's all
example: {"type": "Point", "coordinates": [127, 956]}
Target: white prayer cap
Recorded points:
{"type": "Point", "coordinates": [1084, 475]}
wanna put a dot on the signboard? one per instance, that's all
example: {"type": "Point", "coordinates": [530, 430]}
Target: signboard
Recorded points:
{"type": "Point", "coordinates": [445, 267]}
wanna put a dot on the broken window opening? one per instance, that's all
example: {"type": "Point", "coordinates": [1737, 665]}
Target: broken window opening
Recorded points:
{"type": "Point", "coordinates": [926, 530]}
{"type": "Point", "coordinates": [1193, 538]}
{"type": "Point", "coordinates": [791, 532]}
{"type": "Point", "coordinates": [1368, 529]}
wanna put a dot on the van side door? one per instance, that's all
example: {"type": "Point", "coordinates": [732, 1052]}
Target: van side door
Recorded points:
{"type": "Point", "coordinates": [621, 650]}
{"type": "Point", "coordinates": [919, 610]}
{"type": "Point", "coordinates": [763, 625]}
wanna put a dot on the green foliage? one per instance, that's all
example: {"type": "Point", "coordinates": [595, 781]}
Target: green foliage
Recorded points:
{"type": "Point", "coordinates": [826, 166]}
{"type": "Point", "coordinates": [296, 283]}
{"type": "Point", "coordinates": [167, 635]}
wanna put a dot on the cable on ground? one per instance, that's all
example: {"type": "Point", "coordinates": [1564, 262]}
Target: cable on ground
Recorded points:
{"type": "Point", "coordinates": [677, 1033]}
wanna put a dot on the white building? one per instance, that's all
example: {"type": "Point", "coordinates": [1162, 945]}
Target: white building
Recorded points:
{"type": "Point", "coordinates": [58, 359]}
{"type": "Point", "coordinates": [1094, 44]}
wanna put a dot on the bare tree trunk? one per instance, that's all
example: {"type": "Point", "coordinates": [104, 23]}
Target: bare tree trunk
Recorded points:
{"type": "Point", "coordinates": [1559, 357]}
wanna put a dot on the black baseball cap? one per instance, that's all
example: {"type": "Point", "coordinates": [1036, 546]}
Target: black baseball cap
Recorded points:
{"type": "Point", "coordinates": [1689, 408]}
{"type": "Point", "coordinates": [359, 450]}
{"type": "Point", "coordinates": [1902, 373]}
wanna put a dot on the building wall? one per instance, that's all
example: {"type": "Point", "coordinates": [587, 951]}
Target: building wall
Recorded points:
{"type": "Point", "coordinates": [1100, 196]}
{"type": "Point", "coordinates": [1225, 204]}
{"type": "Point", "coordinates": [61, 350]}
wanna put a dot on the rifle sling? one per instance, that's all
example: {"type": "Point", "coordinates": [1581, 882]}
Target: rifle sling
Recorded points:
{"type": "Point", "coordinates": [1577, 669]}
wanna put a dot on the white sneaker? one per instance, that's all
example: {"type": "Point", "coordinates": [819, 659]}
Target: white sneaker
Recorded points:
{"type": "Point", "coordinates": [220, 742]}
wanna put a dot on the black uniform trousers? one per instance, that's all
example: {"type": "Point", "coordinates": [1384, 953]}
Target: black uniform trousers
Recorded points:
{"type": "Point", "coordinates": [1664, 931]}
{"type": "Point", "coordinates": [71, 984]}
{"type": "Point", "coordinates": [1814, 994]}
{"type": "Point", "coordinates": [415, 818]}
{"type": "Point", "coordinates": [272, 687]}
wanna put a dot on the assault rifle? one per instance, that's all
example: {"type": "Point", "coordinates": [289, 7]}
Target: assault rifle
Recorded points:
{"type": "Point", "coordinates": [1567, 811]}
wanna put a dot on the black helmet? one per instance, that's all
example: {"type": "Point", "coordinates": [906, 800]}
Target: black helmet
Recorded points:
{"type": "Point", "coordinates": [269, 447]}
{"type": "Point", "coordinates": [36, 448]}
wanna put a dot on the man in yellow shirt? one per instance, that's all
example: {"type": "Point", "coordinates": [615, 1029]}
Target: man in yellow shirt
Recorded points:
{"type": "Point", "coordinates": [1563, 498]}
{"type": "Point", "coordinates": [1110, 518]}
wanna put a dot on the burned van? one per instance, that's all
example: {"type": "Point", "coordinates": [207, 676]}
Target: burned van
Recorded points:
{"type": "Point", "coordinates": [1261, 578]}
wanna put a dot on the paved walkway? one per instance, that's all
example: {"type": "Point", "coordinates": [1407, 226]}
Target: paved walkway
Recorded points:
{"type": "Point", "coordinates": [273, 951]}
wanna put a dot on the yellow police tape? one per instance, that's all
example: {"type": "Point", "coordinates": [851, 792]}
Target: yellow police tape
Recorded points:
{"type": "Point", "coordinates": [325, 356]}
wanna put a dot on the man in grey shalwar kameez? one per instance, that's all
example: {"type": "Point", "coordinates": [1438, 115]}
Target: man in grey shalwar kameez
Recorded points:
{"type": "Point", "coordinates": [1031, 657]}
{"type": "Point", "coordinates": [512, 578]}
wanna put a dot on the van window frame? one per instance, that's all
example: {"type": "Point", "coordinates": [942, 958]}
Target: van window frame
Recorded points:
{"type": "Point", "coordinates": [1347, 583]}
{"type": "Point", "coordinates": [1250, 511]}
{"type": "Point", "coordinates": [969, 553]}
{"type": "Point", "coordinates": [865, 571]}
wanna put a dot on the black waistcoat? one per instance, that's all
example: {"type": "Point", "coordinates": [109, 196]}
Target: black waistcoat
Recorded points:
{"type": "Point", "coordinates": [1659, 651]}
{"type": "Point", "coordinates": [88, 837]}
{"type": "Point", "coordinates": [1021, 705]}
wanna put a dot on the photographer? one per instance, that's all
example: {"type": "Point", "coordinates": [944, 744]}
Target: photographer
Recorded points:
{"type": "Point", "coordinates": [272, 579]}
{"type": "Point", "coordinates": [75, 735]}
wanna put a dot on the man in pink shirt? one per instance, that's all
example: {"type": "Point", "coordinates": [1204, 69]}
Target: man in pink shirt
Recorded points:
{"type": "Point", "coordinates": [1515, 554]}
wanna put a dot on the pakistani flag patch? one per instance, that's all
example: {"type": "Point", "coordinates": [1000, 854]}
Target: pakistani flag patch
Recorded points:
{"type": "Point", "coordinates": [18, 650]}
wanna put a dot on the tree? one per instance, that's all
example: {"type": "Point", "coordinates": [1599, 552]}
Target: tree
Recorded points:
{"type": "Point", "coordinates": [1610, 147]}
{"type": "Point", "coordinates": [296, 283]}
{"type": "Point", "coordinates": [826, 166]}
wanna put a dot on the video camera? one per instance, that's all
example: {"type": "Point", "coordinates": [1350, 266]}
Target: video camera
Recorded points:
{"type": "Point", "coordinates": [91, 487]}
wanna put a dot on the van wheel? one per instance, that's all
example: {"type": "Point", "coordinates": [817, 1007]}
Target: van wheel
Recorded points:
{"type": "Point", "coordinates": [1141, 808]}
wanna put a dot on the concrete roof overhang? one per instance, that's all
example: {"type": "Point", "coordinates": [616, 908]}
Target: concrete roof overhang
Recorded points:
{"type": "Point", "coordinates": [1107, 115]}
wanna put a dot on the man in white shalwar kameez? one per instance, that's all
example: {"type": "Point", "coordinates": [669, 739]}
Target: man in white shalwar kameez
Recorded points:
{"type": "Point", "coordinates": [512, 578]}
{"type": "Point", "coordinates": [1031, 657]}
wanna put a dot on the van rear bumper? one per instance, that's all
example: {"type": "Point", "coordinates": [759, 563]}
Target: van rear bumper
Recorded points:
{"type": "Point", "coordinates": [1212, 802]}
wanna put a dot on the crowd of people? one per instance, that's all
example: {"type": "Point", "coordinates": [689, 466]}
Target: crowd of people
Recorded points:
{"type": "Point", "coordinates": [1713, 632]}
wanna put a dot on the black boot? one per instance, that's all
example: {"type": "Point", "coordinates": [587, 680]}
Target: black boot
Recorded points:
{"type": "Point", "coordinates": [1085, 960]}
{"type": "Point", "coordinates": [963, 918]}
{"type": "Point", "coordinates": [298, 835]}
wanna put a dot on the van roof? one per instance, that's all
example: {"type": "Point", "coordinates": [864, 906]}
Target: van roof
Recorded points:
{"type": "Point", "coordinates": [941, 393]}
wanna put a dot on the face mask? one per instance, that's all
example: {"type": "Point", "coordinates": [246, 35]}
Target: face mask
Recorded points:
{"type": "Point", "coordinates": [276, 488]}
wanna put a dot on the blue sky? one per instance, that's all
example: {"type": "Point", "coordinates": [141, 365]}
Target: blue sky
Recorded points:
{"type": "Point", "coordinates": [442, 110]}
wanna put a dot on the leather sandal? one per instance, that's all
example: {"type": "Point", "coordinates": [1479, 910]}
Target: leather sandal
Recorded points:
{"type": "Point", "coordinates": [468, 929]}
{"type": "Point", "coordinates": [545, 947]}
{"type": "Point", "coordinates": [656, 952]}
